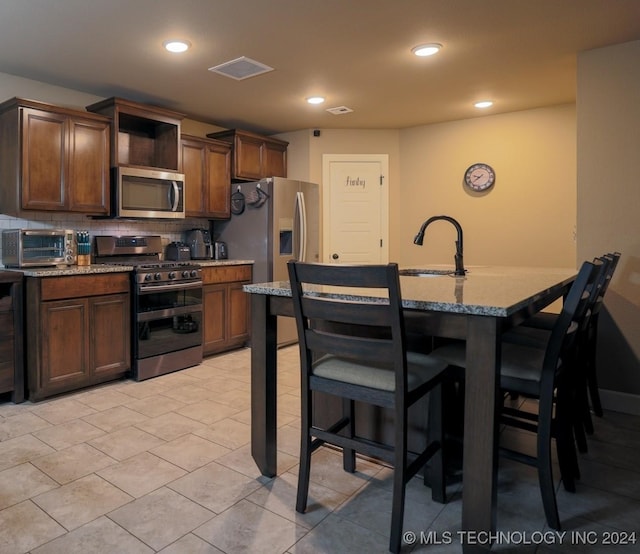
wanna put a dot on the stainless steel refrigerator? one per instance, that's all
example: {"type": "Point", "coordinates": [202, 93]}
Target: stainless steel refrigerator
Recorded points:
{"type": "Point", "coordinates": [273, 221]}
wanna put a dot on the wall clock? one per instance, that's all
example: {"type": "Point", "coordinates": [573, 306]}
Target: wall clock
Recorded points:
{"type": "Point", "coordinates": [479, 177]}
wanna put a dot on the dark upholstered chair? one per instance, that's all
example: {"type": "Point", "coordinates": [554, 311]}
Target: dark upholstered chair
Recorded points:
{"type": "Point", "coordinates": [356, 350]}
{"type": "Point", "coordinates": [535, 332]}
{"type": "Point", "coordinates": [545, 320]}
{"type": "Point", "coordinates": [545, 374]}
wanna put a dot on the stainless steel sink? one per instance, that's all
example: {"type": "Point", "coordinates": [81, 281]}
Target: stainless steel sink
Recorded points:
{"type": "Point", "coordinates": [425, 272]}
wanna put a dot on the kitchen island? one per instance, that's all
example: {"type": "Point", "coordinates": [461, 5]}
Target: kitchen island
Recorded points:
{"type": "Point", "coordinates": [476, 308]}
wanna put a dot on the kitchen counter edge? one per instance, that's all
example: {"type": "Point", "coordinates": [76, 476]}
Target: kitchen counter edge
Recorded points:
{"type": "Point", "coordinates": [95, 269]}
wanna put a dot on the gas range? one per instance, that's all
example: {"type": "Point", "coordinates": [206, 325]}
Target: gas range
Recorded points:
{"type": "Point", "coordinates": [144, 253]}
{"type": "Point", "coordinates": [166, 304]}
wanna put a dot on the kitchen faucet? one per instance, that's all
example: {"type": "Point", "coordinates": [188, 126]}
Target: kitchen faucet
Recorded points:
{"type": "Point", "coordinates": [458, 257]}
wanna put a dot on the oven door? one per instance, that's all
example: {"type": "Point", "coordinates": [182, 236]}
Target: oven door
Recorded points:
{"type": "Point", "coordinates": [168, 318]}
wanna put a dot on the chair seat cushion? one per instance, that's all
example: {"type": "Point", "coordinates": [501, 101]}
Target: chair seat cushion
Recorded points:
{"type": "Point", "coordinates": [420, 369]}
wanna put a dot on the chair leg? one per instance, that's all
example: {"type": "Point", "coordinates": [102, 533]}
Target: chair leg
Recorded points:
{"type": "Point", "coordinates": [592, 382]}
{"type": "Point", "coordinates": [435, 432]}
{"type": "Point", "coordinates": [399, 482]}
{"type": "Point", "coordinates": [545, 473]}
{"type": "Point", "coordinates": [349, 454]}
{"type": "Point", "coordinates": [580, 413]}
{"type": "Point", "coordinates": [583, 412]}
{"type": "Point", "coordinates": [305, 454]}
{"type": "Point", "coordinates": [563, 431]}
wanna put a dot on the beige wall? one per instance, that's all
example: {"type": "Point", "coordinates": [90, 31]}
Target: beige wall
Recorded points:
{"type": "Point", "coordinates": [608, 122]}
{"type": "Point", "coordinates": [526, 218]}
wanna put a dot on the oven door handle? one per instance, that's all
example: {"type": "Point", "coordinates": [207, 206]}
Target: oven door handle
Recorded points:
{"type": "Point", "coordinates": [169, 312]}
{"type": "Point", "coordinates": [143, 289]}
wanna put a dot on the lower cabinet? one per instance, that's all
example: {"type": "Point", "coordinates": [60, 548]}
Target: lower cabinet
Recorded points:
{"type": "Point", "coordinates": [78, 329]}
{"type": "Point", "coordinates": [11, 344]}
{"type": "Point", "coordinates": [225, 308]}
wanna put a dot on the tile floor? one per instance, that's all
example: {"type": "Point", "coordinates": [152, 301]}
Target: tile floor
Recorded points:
{"type": "Point", "coordinates": [165, 466]}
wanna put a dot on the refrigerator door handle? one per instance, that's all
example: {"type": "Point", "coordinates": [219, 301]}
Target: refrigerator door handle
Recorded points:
{"type": "Point", "coordinates": [301, 212]}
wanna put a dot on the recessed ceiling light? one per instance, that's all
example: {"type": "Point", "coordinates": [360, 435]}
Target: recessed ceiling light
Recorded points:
{"type": "Point", "coordinates": [315, 99]}
{"type": "Point", "coordinates": [484, 104]}
{"type": "Point", "coordinates": [426, 49]}
{"type": "Point", "coordinates": [177, 46]}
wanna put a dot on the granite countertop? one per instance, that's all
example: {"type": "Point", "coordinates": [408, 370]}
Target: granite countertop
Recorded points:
{"type": "Point", "coordinates": [216, 263]}
{"type": "Point", "coordinates": [103, 268]}
{"type": "Point", "coordinates": [485, 290]}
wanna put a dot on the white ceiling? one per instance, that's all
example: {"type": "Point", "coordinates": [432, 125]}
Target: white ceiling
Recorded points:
{"type": "Point", "coordinates": [519, 53]}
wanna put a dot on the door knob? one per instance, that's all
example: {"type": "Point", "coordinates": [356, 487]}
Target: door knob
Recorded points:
{"type": "Point", "coordinates": [335, 256]}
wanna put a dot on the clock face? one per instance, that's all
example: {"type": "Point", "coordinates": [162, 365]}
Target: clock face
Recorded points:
{"type": "Point", "coordinates": [479, 177]}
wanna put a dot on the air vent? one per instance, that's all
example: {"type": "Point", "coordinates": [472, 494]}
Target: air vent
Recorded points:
{"type": "Point", "coordinates": [339, 110]}
{"type": "Point", "coordinates": [241, 68]}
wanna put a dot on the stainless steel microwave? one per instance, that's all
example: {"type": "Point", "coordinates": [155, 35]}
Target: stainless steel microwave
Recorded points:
{"type": "Point", "coordinates": [38, 247]}
{"type": "Point", "coordinates": [148, 193]}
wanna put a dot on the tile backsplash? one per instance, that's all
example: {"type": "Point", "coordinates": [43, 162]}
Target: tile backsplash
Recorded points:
{"type": "Point", "coordinates": [170, 230]}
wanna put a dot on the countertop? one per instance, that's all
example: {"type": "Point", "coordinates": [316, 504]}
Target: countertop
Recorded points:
{"type": "Point", "coordinates": [485, 290]}
{"type": "Point", "coordinates": [104, 268]}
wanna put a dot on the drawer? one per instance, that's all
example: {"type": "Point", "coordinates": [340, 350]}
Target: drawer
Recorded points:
{"type": "Point", "coordinates": [226, 274]}
{"type": "Point", "coordinates": [58, 288]}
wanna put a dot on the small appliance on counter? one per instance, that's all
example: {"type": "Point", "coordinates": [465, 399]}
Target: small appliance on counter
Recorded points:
{"type": "Point", "coordinates": [220, 250]}
{"type": "Point", "coordinates": [38, 247]}
{"type": "Point", "coordinates": [199, 242]}
{"type": "Point", "coordinates": [177, 251]}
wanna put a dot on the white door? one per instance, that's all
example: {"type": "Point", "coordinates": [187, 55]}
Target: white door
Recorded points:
{"type": "Point", "coordinates": [356, 214]}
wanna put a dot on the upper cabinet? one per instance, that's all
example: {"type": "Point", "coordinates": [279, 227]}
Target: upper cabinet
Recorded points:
{"type": "Point", "coordinates": [53, 159]}
{"type": "Point", "coordinates": [254, 156]}
{"type": "Point", "coordinates": [142, 135]}
{"type": "Point", "coordinates": [206, 164]}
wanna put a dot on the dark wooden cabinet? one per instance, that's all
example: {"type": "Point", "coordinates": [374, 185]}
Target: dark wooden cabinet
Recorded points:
{"type": "Point", "coordinates": [142, 135]}
{"type": "Point", "coordinates": [206, 164]}
{"type": "Point", "coordinates": [53, 159]}
{"type": "Point", "coordinates": [226, 311]}
{"type": "Point", "coordinates": [254, 156]}
{"type": "Point", "coordinates": [78, 329]}
{"type": "Point", "coordinates": [11, 343]}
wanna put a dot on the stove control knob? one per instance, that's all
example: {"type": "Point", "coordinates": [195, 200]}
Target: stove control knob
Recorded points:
{"type": "Point", "coordinates": [148, 277]}
{"type": "Point", "coordinates": [172, 275]}
{"type": "Point", "coordinates": [157, 276]}
{"type": "Point", "coordinates": [194, 273]}
{"type": "Point", "coordinates": [185, 274]}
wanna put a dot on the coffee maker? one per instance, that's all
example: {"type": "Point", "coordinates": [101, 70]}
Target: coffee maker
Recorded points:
{"type": "Point", "coordinates": [199, 242]}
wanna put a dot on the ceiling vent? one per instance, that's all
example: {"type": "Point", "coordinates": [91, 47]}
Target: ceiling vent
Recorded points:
{"type": "Point", "coordinates": [241, 68]}
{"type": "Point", "coordinates": [339, 110]}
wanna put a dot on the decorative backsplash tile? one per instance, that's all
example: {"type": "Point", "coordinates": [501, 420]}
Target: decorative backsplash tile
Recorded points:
{"type": "Point", "coordinates": [170, 230]}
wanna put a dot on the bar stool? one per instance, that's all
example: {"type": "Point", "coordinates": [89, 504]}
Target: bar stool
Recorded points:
{"type": "Point", "coordinates": [356, 350]}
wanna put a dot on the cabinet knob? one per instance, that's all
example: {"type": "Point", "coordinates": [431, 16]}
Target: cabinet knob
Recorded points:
{"type": "Point", "coordinates": [335, 256]}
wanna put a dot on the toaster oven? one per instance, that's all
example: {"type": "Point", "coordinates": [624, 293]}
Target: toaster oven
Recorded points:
{"type": "Point", "coordinates": [38, 247]}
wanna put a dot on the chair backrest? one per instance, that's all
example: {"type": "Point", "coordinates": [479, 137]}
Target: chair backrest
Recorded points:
{"type": "Point", "coordinates": [576, 305]}
{"type": "Point", "coordinates": [366, 329]}
{"type": "Point", "coordinates": [612, 259]}
{"type": "Point", "coordinates": [596, 293]}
